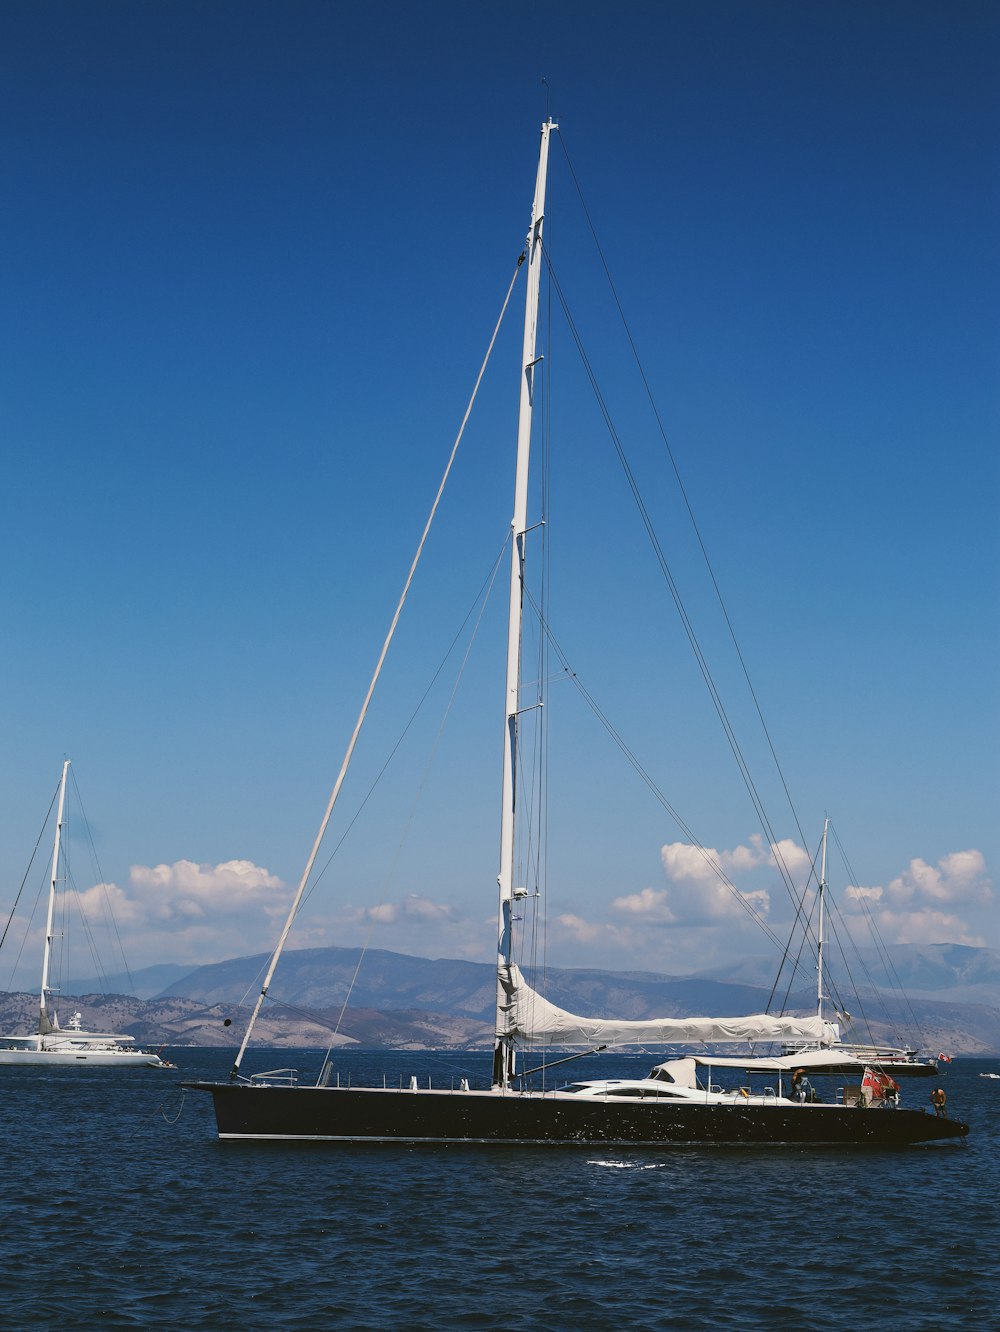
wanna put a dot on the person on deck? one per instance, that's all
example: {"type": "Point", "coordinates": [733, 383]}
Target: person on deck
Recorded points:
{"type": "Point", "coordinates": [939, 1102]}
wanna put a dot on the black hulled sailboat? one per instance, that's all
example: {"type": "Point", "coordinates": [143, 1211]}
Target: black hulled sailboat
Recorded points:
{"type": "Point", "coordinates": [677, 1102]}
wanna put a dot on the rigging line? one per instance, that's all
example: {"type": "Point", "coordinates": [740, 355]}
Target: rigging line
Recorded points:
{"type": "Point", "coordinates": [697, 531]}
{"type": "Point", "coordinates": [877, 937]}
{"type": "Point", "coordinates": [423, 782]}
{"type": "Point", "coordinates": [808, 936]}
{"type": "Point", "coordinates": [350, 990]}
{"type": "Point", "coordinates": [836, 993]}
{"type": "Point", "coordinates": [835, 915]}
{"type": "Point", "coordinates": [276, 956]}
{"type": "Point", "coordinates": [540, 912]}
{"type": "Point", "coordinates": [303, 1013]}
{"type": "Point", "coordinates": [807, 930]}
{"type": "Point", "coordinates": [797, 963]}
{"type": "Point", "coordinates": [17, 899]}
{"type": "Point", "coordinates": [532, 766]}
{"type": "Point", "coordinates": [651, 784]}
{"type": "Point", "coordinates": [72, 891]}
{"type": "Point", "coordinates": [252, 985]}
{"type": "Point", "coordinates": [689, 630]}
{"type": "Point", "coordinates": [901, 997]}
{"type": "Point", "coordinates": [534, 855]}
{"type": "Point", "coordinates": [61, 947]}
{"type": "Point", "coordinates": [858, 1002]}
{"type": "Point", "coordinates": [530, 780]}
{"type": "Point", "coordinates": [685, 619]}
{"type": "Point", "coordinates": [43, 890]}
{"type": "Point", "coordinates": [863, 1013]}
{"type": "Point", "coordinates": [879, 949]}
{"type": "Point", "coordinates": [106, 896]}
{"type": "Point", "coordinates": [683, 490]}
{"type": "Point", "coordinates": [483, 594]}
{"type": "Point", "coordinates": [877, 997]}
{"type": "Point", "coordinates": [73, 896]}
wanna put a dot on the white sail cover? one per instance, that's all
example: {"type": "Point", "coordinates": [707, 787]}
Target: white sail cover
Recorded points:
{"type": "Point", "coordinates": [528, 1019]}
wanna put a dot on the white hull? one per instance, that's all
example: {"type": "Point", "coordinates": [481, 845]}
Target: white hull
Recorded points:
{"type": "Point", "coordinates": [77, 1057]}
{"type": "Point", "coordinates": [57, 1058]}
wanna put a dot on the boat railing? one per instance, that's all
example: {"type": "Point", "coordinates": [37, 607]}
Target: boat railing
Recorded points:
{"type": "Point", "coordinates": [857, 1051]}
{"type": "Point", "coordinates": [284, 1077]}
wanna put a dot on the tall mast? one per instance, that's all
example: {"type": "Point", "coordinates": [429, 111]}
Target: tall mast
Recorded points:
{"type": "Point", "coordinates": [503, 1063]}
{"type": "Point", "coordinates": [819, 942]}
{"type": "Point", "coordinates": [45, 1023]}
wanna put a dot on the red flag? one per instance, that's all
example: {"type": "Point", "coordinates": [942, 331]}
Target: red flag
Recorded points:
{"type": "Point", "coordinates": [878, 1085]}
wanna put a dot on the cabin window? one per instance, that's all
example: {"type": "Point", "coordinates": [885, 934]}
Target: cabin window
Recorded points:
{"type": "Point", "coordinates": [645, 1093]}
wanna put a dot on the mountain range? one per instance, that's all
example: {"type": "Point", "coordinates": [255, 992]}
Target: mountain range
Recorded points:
{"type": "Point", "coordinates": [394, 1000]}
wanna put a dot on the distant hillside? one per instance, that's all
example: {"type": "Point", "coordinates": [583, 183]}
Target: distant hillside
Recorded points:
{"type": "Point", "coordinates": [322, 978]}
{"type": "Point", "coordinates": [952, 972]}
{"type": "Point", "coordinates": [404, 1002]}
{"type": "Point", "coordinates": [145, 983]}
{"type": "Point", "coordinates": [319, 979]}
{"type": "Point", "coordinates": [181, 1022]}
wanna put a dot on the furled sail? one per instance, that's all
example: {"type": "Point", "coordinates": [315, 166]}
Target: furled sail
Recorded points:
{"type": "Point", "coordinates": [528, 1019]}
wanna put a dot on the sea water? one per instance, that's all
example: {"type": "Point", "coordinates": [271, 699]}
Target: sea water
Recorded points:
{"type": "Point", "coordinates": [121, 1209]}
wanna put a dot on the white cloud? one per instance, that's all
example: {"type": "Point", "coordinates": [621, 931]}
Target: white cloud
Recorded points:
{"type": "Point", "coordinates": [424, 909]}
{"type": "Point", "coordinates": [580, 941]}
{"type": "Point", "coordinates": [386, 913]}
{"type": "Point", "coordinates": [95, 902]}
{"type": "Point", "coordinates": [859, 895]}
{"type": "Point", "coordinates": [685, 861]}
{"type": "Point", "coordinates": [578, 930]}
{"type": "Point", "coordinates": [795, 860]}
{"type": "Point", "coordinates": [927, 926]}
{"type": "Point", "coordinates": [184, 912]}
{"type": "Point", "coordinates": [196, 912]}
{"type": "Point", "coordinates": [712, 902]}
{"type": "Point", "coordinates": [911, 908]}
{"type": "Point", "coordinates": [649, 904]}
{"type": "Point", "coordinates": [698, 894]}
{"type": "Point", "coordinates": [958, 877]}
{"type": "Point", "coordinates": [186, 889]}
{"type": "Point", "coordinates": [413, 907]}
{"type": "Point", "coordinates": [415, 924]}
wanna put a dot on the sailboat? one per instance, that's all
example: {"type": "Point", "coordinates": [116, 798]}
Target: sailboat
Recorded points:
{"type": "Point", "coordinates": [54, 1046]}
{"type": "Point", "coordinates": [677, 1102]}
{"type": "Point", "coordinates": [845, 1058]}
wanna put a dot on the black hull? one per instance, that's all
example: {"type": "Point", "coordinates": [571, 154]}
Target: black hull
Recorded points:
{"type": "Point", "coordinates": [370, 1115]}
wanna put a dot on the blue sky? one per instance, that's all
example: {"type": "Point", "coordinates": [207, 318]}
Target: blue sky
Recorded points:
{"type": "Point", "coordinates": [251, 256]}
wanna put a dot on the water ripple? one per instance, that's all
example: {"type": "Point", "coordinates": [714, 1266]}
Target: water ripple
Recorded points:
{"type": "Point", "coordinates": [120, 1219]}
